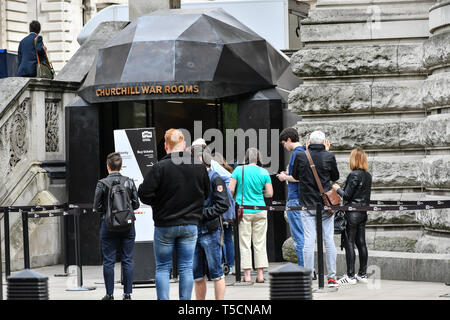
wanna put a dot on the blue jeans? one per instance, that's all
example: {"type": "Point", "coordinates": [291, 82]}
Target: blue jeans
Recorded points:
{"type": "Point", "coordinates": [111, 241]}
{"type": "Point", "coordinates": [309, 226]}
{"type": "Point", "coordinates": [208, 256]}
{"type": "Point", "coordinates": [167, 239]}
{"type": "Point", "coordinates": [228, 244]}
{"type": "Point", "coordinates": [296, 227]}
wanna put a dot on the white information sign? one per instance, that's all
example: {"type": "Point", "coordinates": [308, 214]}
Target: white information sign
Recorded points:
{"type": "Point", "coordinates": [138, 150]}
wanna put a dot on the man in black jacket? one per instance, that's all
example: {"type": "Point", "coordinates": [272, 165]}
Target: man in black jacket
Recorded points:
{"type": "Point", "coordinates": [112, 240]}
{"type": "Point", "coordinates": [309, 195]}
{"type": "Point", "coordinates": [176, 188]}
{"type": "Point", "coordinates": [208, 251]}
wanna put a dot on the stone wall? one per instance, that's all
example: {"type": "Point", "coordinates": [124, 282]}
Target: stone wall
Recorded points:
{"type": "Point", "coordinates": [376, 75]}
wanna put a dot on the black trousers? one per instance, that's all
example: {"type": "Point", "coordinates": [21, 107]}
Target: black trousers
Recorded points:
{"type": "Point", "coordinates": [356, 233]}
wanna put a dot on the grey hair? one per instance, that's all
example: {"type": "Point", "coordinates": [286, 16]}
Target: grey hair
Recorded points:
{"type": "Point", "coordinates": [253, 156]}
{"type": "Point", "coordinates": [317, 137]}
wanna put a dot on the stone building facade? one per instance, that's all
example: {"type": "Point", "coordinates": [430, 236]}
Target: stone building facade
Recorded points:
{"type": "Point", "coordinates": [376, 74]}
{"type": "Point", "coordinates": [61, 21]}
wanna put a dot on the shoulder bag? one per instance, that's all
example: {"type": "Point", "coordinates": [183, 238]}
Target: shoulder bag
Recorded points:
{"type": "Point", "coordinates": [44, 69]}
{"type": "Point", "coordinates": [331, 197]}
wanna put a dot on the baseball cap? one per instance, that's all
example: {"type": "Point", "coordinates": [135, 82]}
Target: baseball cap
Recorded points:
{"type": "Point", "coordinates": [199, 142]}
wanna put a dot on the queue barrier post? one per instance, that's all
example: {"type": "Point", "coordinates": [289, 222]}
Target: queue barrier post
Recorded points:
{"type": "Point", "coordinates": [319, 209]}
{"type": "Point", "coordinates": [65, 244]}
{"type": "Point", "coordinates": [7, 243]}
{"type": "Point", "coordinates": [319, 230]}
{"type": "Point", "coordinates": [237, 253]}
{"type": "Point", "coordinates": [80, 287]}
{"type": "Point", "coordinates": [26, 239]}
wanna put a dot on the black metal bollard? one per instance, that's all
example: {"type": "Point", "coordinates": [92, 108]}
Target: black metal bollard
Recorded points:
{"type": "Point", "coordinates": [291, 282]}
{"type": "Point", "coordinates": [27, 285]}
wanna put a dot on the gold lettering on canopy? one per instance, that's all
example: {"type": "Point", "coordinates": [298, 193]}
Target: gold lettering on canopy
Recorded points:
{"type": "Point", "coordinates": [148, 90]}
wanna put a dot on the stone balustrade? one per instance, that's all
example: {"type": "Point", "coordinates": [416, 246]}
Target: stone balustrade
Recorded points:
{"type": "Point", "coordinates": [32, 132]}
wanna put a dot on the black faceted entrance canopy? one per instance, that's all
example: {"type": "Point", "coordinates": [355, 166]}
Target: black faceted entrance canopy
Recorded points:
{"type": "Point", "coordinates": [185, 54]}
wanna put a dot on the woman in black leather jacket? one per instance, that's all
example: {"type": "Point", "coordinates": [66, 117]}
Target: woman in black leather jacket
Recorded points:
{"type": "Point", "coordinates": [356, 192]}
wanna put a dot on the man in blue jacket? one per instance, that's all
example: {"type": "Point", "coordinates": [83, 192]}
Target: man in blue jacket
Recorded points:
{"type": "Point", "coordinates": [26, 58]}
{"type": "Point", "coordinates": [291, 142]}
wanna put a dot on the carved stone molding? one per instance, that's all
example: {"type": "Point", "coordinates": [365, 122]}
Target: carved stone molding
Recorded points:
{"type": "Point", "coordinates": [17, 132]}
{"type": "Point", "coordinates": [52, 125]}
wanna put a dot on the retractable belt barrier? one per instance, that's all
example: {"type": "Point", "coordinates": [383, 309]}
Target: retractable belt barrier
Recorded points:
{"type": "Point", "coordinates": [378, 206]}
{"type": "Point", "coordinates": [44, 211]}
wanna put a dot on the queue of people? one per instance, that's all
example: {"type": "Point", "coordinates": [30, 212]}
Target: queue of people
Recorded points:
{"type": "Point", "coordinates": [193, 196]}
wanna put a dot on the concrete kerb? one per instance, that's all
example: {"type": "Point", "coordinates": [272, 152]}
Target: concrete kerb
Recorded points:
{"type": "Point", "coordinates": [384, 290]}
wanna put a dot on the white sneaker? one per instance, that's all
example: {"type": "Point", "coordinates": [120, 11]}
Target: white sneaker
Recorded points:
{"type": "Point", "coordinates": [347, 280]}
{"type": "Point", "coordinates": [362, 279]}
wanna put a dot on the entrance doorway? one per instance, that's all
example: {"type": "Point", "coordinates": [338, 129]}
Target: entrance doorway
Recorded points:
{"type": "Point", "coordinates": [163, 115]}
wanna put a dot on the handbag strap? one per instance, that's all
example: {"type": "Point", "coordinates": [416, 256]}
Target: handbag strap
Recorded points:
{"type": "Point", "coordinates": [313, 168]}
{"type": "Point", "coordinates": [242, 188]}
{"type": "Point", "coordinates": [45, 52]}
{"type": "Point", "coordinates": [35, 50]}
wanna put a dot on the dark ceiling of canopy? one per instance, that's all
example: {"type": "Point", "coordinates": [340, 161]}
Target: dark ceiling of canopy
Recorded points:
{"type": "Point", "coordinates": [205, 46]}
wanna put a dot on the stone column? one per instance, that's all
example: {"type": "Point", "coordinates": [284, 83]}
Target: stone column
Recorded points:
{"type": "Point", "coordinates": [364, 85]}
{"type": "Point", "coordinates": [435, 175]}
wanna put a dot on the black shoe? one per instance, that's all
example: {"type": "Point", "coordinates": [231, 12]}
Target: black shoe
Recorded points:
{"type": "Point", "coordinates": [108, 297]}
{"type": "Point", "coordinates": [127, 297]}
{"type": "Point", "coordinates": [315, 276]}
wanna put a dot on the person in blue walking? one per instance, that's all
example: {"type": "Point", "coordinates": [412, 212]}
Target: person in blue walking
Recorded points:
{"type": "Point", "coordinates": [28, 48]}
{"type": "Point", "coordinates": [289, 139]}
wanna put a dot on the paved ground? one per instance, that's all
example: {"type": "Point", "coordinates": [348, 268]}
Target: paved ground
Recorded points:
{"type": "Point", "coordinates": [374, 290]}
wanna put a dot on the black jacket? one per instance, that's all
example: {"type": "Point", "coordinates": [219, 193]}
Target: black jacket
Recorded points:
{"type": "Point", "coordinates": [26, 57]}
{"type": "Point", "coordinates": [176, 191]}
{"type": "Point", "coordinates": [216, 204]}
{"type": "Point", "coordinates": [327, 170]}
{"type": "Point", "coordinates": [357, 188]}
{"type": "Point", "coordinates": [101, 194]}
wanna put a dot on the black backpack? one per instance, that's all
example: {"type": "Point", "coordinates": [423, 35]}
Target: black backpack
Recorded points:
{"type": "Point", "coordinates": [119, 216]}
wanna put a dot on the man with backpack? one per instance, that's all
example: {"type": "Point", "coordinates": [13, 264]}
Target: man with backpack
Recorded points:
{"type": "Point", "coordinates": [208, 250]}
{"type": "Point", "coordinates": [115, 200]}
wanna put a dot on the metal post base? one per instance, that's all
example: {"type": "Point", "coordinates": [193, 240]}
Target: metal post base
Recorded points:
{"type": "Point", "coordinates": [81, 289]}
{"type": "Point", "coordinates": [61, 275]}
{"type": "Point", "coordinates": [242, 284]}
{"type": "Point", "coordinates": [325, 290]}
{"type": "Point", "coordinates": [103, 282]}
